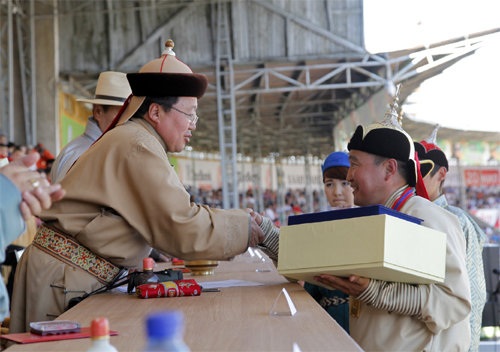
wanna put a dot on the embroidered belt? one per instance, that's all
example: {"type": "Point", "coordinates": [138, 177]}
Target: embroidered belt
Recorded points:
{"type": "Point", "coordinates": [69, 251]}
{"type": "Point", "coordinates": [335, 301]}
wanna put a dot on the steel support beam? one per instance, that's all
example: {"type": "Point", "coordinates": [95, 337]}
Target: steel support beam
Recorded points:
{"type": "Point", "coordinates": [323, 203]}
{"type": "Point", "coordinates": [307, 170]}
{"type": "Point", "coordinates": [256, 176]}
{"type": "Point", "coordinates": [7, 68]}
{"type": "Point", "coordinates": [374, 73]}
{"type": "Point", "coordinates": [34, 139]}
{"type": "Point", "coordinates": [26, 46]}
{"type": "Point", "coordinates": [281, 192]}
{"type": "Point", "coordinates": [226, 109]}
{"type": "Point", "coordinates": [56, 73]}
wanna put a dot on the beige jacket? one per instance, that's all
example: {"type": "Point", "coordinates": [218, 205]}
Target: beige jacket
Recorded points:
{"type": "Point", "coordinates": [123, 197]}
{"type": "Point", "coordinates": [403, 317]}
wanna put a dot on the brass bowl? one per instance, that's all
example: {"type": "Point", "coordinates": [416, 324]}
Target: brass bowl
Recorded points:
{"type": "Point", "coordinates": [201, 267]}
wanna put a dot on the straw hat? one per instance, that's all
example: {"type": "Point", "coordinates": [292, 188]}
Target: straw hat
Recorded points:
{"type": "Point", "coordinates": [112, 89]}
{"type": "Point", "coordinates": [162, 77]}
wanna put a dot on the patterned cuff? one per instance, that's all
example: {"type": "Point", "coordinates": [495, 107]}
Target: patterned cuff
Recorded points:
{"type": "Point", "coordinates": [266, 226]}
{"type": "Point", "coordinates": [369, 295]}
{"type": "Point", "coordinates": [270, 245]}
{"type": "Point", "coordinates": [392, 296]}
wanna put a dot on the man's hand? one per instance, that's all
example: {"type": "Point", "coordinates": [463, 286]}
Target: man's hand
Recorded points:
{"type": "Point", "coordinates": [37, 192]}
{"type": "Point", "coordinates": [353, 286]}
{"type": "Point", "coordinates": [164, 258]}
{"type": "Point", "coordinates": [17, 172]}
{"type": "Point", "coordinates": [257, 236]}
{"type": "Point", "coordinates": [256, 216]}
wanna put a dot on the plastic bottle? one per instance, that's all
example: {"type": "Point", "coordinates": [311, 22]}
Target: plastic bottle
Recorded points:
{"type": "Point", "coordinates": [99, 333]}
{"type": "Point", "coordinates": [165, 332]}
{"type": "Point", "coordinates": [147, 276]}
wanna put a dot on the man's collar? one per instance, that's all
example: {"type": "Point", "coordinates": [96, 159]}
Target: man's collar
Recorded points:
{"type": "Point", "coordinates": [148, 126]}
{"type": "Point", "coordinates": [92, 130]}
{"type": "Point", "coordinates": [394, 196]}
{"type": "Point", "coordinates": [441, 201]}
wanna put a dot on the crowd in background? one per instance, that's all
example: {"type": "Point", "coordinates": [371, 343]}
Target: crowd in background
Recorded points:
{"type": "Point", "coordinates": [295, 201]}
{"type": "Point", "coordinates": [478, 197]}
{"type": "Point", "coordinates": [13, 151]}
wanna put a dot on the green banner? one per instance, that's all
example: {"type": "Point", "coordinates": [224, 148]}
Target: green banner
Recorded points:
{"type": "Point", "coordinates": [70, 129]}
{"type": "Point", "coordinates": [173, 162]}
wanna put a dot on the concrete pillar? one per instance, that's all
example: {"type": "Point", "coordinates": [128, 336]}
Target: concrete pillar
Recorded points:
{"type": "Point", "coordinates": [47, 71]}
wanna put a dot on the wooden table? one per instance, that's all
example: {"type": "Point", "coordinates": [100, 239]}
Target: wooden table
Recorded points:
{"type": "Point", "coordinates": [235, 319]}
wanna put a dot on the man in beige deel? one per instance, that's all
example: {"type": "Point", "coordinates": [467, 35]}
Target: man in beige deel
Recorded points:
{"type": "Point", "coordinates": [124, 197]}
{"type": "Point", "coordinates": [395, 316]}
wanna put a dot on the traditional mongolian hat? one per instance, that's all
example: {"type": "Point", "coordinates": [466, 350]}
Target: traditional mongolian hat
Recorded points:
{"type": "Point", "coordinates": [388, 139]}
{"type": "Point", "coordinates": [112, 89]}
{"type": "Point", "coordinates": [163, 77]}
{"type": "Point", "coordinates": [429, 154]}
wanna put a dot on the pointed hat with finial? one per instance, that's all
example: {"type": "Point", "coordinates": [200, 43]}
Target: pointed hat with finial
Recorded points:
{"type": "Point", "coordinates": [388, 139]}
{"type": "Point", "coordinates": [430, 154]}
{"type": "Point", "coordinates": [166, 76]}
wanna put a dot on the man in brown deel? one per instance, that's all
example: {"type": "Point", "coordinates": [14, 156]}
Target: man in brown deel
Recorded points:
{"type": "Point", "coordinates": [124, 197]}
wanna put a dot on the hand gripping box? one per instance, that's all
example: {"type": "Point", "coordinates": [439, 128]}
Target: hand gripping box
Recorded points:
{"type": "Point", "coordinates": [385, 245]}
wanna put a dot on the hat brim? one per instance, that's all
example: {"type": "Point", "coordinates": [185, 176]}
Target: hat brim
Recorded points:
{"type": "Point", "coordinates": [131, 109]}
{"type": "Point", "coordinates": [102, 102]}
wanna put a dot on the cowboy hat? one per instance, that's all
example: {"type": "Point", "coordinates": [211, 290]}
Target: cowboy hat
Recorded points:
{"type": "Point", "coordinates": [112, 89]}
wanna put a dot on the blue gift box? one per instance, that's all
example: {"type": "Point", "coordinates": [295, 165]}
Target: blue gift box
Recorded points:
{"type": "Point", "coordinates": [350, 213]}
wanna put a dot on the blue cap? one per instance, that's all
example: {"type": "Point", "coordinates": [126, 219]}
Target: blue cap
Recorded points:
{"type": "Point", "coordinates": [335, 159]}
{"type": "Point", "coordinates": [164, 324]}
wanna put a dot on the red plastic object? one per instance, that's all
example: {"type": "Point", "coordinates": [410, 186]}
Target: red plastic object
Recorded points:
{"type": "Point", "coordinates": [176, 261]}
{"type": "Point", "coordinates": [177, 288]}
{"type": "Point", "coordinates": [148, 263]}
{"type": "Point", "coordinates": [99, 327]}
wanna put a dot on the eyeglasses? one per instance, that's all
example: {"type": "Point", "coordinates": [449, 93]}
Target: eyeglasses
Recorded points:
{"type": "Point", "coordinates": [192, 118]}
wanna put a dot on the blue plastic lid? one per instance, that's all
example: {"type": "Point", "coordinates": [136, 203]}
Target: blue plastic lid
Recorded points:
{"type": "Point", "coordinates": [164, 324]}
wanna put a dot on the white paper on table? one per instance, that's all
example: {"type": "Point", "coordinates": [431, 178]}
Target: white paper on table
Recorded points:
{"type": "Point", "coordinates": [228, 283]}
{"type": "Point", "coordinates": [123, 289]}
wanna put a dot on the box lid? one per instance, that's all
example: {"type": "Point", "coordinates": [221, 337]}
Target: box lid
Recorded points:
{"type": "Point", "coordinates": [350, 213]}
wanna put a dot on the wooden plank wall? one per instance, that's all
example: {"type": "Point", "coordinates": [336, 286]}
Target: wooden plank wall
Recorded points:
{"type": "Point", "coordinates": [93, 41]}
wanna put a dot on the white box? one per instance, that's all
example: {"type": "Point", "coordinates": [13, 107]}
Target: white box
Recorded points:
{"type": "Point", "coordinates": [379, 247]}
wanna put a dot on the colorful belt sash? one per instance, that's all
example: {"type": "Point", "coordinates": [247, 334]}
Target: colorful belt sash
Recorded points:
{"type": "Point", "coordinates": [68, 250]}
